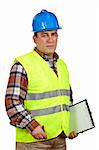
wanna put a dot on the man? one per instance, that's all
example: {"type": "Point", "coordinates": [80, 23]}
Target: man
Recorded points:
{"type": "Point", "coordinates": [38, 93]}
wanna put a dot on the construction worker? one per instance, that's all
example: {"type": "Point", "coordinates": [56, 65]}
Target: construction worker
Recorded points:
{"type": "Point", "coordinates": [38, 94]}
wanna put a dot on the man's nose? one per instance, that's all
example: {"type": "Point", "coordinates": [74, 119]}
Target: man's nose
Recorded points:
{"type": "Point", "coordinates": [50, 39]}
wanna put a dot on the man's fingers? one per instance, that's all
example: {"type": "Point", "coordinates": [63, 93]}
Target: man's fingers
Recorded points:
{"type": "Point", "coordinates": [39, 133]}
{"type": "Point", "coordinates": [44, 135]}
{"type": "Point", "coordinates": [72, 135]}
{"type": "Point", "coordinates": [40, 136]}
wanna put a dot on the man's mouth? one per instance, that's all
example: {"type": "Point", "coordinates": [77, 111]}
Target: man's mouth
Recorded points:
{"type": "Point", "coordinates": [50, 46]}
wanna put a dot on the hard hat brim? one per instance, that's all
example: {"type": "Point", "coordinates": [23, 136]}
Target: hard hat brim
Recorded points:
{"type": "Point", "coordinates": [47, 29]}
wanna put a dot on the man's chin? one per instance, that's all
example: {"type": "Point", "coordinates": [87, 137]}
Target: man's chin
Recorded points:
{"type": "Point", "coordinates": [51, 50]}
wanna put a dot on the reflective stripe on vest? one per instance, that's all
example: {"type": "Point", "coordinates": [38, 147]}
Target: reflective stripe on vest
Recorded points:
{"type": "Point", "coordinates": [47, 111]}
{"type": "Point", "coordinates": [49, 94]}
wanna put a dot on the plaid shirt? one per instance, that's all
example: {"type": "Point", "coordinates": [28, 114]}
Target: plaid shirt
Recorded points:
{"type": "Point", "coordinates": [16, 93]}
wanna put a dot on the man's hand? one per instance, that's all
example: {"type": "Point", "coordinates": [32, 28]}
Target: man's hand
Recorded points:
{"type": "Point", "coordinates": [72, 135]}
{"type": "Point", "coordinates": [39, 133]}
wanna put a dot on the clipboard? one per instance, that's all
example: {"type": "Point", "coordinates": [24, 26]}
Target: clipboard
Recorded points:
{"type": "Point", "coordinates": [81, 117]}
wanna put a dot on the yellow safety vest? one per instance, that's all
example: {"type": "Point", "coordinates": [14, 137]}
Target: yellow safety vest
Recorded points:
{"type": "Point", "coordinates": [48, 96]}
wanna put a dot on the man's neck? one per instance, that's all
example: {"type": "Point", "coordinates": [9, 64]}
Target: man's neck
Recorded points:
{"type": "Point", "coordinates": [54, 57]}
{"type": "Point", "coordinates": [49, 56]}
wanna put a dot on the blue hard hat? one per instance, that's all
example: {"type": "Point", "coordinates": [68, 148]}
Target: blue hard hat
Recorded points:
{"type": "Point", "coordinates": [45, 21]}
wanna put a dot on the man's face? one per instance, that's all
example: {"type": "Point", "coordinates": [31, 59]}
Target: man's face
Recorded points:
{"type": "Point", "coordinates": [46, 41]}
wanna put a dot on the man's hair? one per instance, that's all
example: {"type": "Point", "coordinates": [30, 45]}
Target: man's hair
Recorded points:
{"type": "Point", "coordinates": [35, 34]}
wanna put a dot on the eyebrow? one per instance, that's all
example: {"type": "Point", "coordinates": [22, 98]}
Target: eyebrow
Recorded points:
{"type": "Point", "coordinates": [47, 33]}
{"type": "Point", "coordinates": [44, 33]}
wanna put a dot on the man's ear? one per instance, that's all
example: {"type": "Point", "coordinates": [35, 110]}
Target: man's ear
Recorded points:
{"type": "Point", "coordinates": [34, 38]}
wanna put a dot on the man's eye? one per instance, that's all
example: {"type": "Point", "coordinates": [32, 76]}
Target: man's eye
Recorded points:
{"type": "Point", "coordinates": [43, 35]}
{"type": "Point", "coordinates": [54, 34]}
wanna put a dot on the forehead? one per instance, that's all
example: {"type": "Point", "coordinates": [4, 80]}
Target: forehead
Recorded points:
{"type": "Point", "coordinates": [48, 32]}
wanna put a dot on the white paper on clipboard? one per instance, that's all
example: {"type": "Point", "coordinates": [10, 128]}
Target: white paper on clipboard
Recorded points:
{"type": "Point", "coordinates": [81, 118]}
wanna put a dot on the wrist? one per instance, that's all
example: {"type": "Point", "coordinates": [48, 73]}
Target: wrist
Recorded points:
{"type": "Point", "coordinates": [32, 125]}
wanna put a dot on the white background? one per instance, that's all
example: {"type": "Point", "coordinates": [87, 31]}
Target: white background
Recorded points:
{"type": "Point", "coordinates": [78, 46]}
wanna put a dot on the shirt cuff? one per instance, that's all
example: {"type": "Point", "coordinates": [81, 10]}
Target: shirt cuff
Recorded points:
{"type": "Point", "coordinates": [32, 125]}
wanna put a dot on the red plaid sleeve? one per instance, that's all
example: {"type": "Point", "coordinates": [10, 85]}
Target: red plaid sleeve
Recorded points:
{"type": "Point", "coordinates": [14, 99]}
